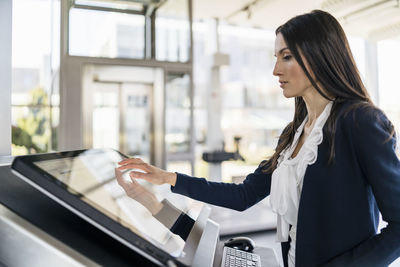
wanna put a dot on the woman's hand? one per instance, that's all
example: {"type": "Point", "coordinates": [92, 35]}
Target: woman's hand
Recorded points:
{"type": "Point", "coordinates": [151, 173]}
{"type": "Point", "coordinates": [139, 193]}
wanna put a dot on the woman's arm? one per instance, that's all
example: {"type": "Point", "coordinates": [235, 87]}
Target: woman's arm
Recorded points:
{"type": "Point", "coordinates": [171, 217]}
{"type": "Point", "coordinates": [254, 188]}
{"type": "Point", "coordinates": [174, 219]}
{"type": "Point", "coordinates": [239, 197]}
{"type": "Point", "coordinates": [376, 154]}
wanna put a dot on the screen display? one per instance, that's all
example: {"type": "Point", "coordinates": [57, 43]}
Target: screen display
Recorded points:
{"type": "Point", "coordinates": [91, 177]}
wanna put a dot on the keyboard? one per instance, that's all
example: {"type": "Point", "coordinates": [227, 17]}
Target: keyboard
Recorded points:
{"type": "Point", "coordinates": [236, 258]}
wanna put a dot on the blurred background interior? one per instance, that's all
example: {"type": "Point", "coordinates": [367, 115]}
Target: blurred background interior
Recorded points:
{"type": "Point", "coordinates": [168, 80]}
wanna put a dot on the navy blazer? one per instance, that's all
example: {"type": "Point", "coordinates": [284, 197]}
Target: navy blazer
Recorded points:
{"type": "Point", "coordinates": [339, 204]}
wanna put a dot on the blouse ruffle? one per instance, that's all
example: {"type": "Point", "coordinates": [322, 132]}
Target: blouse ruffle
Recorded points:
{"type": "Point", "coordinates": [289, 174]}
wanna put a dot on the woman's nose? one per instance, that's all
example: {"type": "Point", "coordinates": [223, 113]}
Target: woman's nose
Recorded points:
{"type": "Point", "coordinates": [276, 71]}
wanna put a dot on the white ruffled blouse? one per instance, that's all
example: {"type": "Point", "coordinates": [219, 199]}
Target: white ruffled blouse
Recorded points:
{"type": "Point", "coordinates": [287, 179]}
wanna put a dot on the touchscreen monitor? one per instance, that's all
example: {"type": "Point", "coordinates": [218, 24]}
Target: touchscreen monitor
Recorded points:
{"type": "Point", "coordinates": [89, 176]}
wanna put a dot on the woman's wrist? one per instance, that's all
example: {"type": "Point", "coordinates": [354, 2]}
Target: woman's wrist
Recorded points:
{"type": "Point", "coordinates": [171, 178]}
{"type": "Point", "coordinates": [156, 208]}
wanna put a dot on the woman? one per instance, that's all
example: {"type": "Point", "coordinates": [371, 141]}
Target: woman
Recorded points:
{"type": "Point", "coordinates": [334, 167]}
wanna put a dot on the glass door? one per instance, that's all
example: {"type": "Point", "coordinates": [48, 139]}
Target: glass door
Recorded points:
{"type": "Point", "coordinates": [106, 112]}
{"type": "Point", "coordinates": [136, 120]}
{"type": "Point", "coordinates": [123, 117]}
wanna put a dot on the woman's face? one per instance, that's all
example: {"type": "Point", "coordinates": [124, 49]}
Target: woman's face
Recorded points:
{"type": "Point", "coordinates": [292, 78]}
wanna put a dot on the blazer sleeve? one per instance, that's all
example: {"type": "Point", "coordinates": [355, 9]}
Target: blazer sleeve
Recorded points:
{"type": "Point", "coordinates": [375, 150]}
{"type": "Point", "coordinates": [254, 188]}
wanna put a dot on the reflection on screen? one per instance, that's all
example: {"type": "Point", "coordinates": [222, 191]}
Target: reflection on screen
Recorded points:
{"type": "Point", "coordinates": [91, 176]}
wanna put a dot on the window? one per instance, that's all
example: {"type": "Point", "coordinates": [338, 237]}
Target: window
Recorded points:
{"type": "Point", "coordinates": [172, 31]}
{"type": "Point", "coordinates": [107, 34]}
{"type": "Point", "coordinates": [252, 104]}
{"type": "Point", "coordinates": [35, 64]}
{"type": "Point", "coordinates": [389, 95]}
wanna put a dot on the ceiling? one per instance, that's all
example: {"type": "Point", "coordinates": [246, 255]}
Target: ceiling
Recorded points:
{"type": "Point", "coordinates": [371, 19]}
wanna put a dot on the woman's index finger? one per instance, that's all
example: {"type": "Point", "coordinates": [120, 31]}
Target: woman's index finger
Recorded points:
{"type": "Point", "coordinates": [130, 160]}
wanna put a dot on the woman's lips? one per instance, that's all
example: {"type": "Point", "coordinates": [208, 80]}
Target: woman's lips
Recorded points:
{"type": "Point", "coordinates": [282, 83]}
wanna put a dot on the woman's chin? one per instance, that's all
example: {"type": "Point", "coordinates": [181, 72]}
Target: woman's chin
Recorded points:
{"type": "Point", "coordinates": [287, 94]}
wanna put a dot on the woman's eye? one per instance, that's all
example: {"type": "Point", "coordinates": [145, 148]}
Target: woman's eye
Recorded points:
{"type": "Point", "coordinates": [287, 57]}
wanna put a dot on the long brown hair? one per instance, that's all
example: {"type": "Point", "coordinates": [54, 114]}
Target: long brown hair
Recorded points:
{"type": "Point", "coordinates": [322, 42]}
